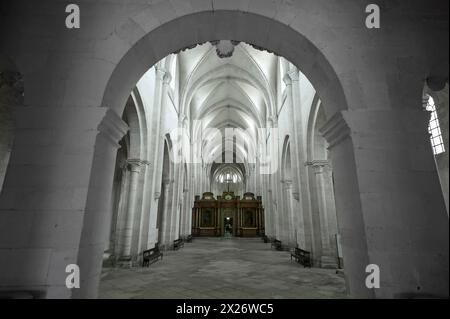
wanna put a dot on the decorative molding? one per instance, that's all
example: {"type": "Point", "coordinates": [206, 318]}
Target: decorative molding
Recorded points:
{"type": "Point", "coordinates": [262, 49]}
{"type": "Point", "coordinates": [291, 76]}
{"type": "Point", "coordinates": [157, 195]}
{"type": "Point", "coordinates": [181, 119]}
{"type": "Point", "coordinates": [273, 121]}
{"type": "Point", "coordinates": [112, 127]}
{"type": "Point", "coordinates": [335, 130]}
{"type": "Point", "coordinates": [135, 164]}
{"type": "Point", "coordinates": [318, 163]}
{"type": "Point", "coordinates": [167, 78]}
{"type": "Point", "coordinates": [287, 183]}
{"type": "Point", "coordinates": [167, 181]}
{"type": "Point", "coordinates": [188, 47]}
{"type": "Point", "coordinates": [160, 72]}
{"type": "Point", "coordinates": [224, 48]}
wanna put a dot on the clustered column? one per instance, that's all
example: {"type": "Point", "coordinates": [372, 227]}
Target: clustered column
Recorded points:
{"type": "Point", "coordinates": [327, 213]}
{"type": "Point", "coordinates": [134, 168]}
{"type": "Point", "coordinates": [289, 218]}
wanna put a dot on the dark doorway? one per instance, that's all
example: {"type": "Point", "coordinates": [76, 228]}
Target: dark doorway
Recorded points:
{"type": "Point", "coordinates": [228, 226]}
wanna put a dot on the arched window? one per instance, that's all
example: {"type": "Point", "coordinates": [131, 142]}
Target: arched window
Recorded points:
{"type": "Point", "coordinates": [228, 176]}
{"type": "Point", "coordinates": [434, 128]}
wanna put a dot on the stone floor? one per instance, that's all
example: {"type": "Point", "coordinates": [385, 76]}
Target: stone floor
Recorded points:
{"type": "Point", "coordinates": [222, 268]}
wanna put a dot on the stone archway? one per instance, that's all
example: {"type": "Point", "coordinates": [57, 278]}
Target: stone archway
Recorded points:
{"type": "Point", "coordinates": [143, 54]}
{"type": "Point", "coordinates": [288, 217]}
{"type": "Point", "coordinates": [321, 189]}
{"type": "Point", "coordinates": [186, 31]}
{"type": "Point", "coordinates": [101, 81]}
{"type": "Point", "coordinates": [190, 30]}
{"type": "Point", "coordinates": [164, 202]}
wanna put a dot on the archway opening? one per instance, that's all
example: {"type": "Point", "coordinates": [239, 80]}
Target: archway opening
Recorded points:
{"type": "Point", "coordinates": [221, 107]}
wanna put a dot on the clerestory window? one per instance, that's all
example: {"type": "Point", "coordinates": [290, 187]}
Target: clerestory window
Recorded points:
{"type": "Point", "coordinates": [434, 128]}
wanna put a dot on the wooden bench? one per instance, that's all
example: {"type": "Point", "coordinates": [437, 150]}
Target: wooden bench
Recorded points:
{"type": "Point", "coordinates": [189, 238]}
{"type": "Point", "coordinates": [151, 255]}
{"type": "Point", "coordinates": [302, 256]}
{"type": "Point", "coordinates": [265, 239]}
{"type": "Point", "coordinates": [277, 244]}
{"type": "Point", "coordinates": [177, 244]}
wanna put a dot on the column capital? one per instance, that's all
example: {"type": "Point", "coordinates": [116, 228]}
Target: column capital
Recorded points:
{"type": "Point", "coordinates": [291, 76]}
{"type": "Point", "coordinates": [135, 164]}
{"type": "Point", "coordinates": [318, 163]}
{"type": "Point", "coordinates": [112, 127]}
{"type": "Point", "coordinates": [163, 75]}
{"type": "Point", "coordinates": [181, 119]}
{"type": "Point", "coordinates": [273, 120]}
{"type": "Point", "coordinates": [335, 130]}
{"type": "Point", "coordinates": [362, 124]}
{"type": "Point", "coordinates": [287, 183]}
{"type": "Point", "coordinates": [160, 72]}
{"type": "Point", "coordinates": [167, 181]}
{"type": "Point", "coordinates": [167, 78]}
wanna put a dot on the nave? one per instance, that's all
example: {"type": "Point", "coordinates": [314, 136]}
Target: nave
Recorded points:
{"type": "Point", "coordinates": [221, 267]}
{"type": "Point", "coordinates": [109, 133]}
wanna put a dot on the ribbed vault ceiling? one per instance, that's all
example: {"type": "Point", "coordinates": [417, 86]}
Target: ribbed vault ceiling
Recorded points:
{"type": "Point", "coordinates": [235, 92]}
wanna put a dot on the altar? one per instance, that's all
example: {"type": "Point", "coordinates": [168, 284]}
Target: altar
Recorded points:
{"type": "Point", "coordinates": [228, 215]}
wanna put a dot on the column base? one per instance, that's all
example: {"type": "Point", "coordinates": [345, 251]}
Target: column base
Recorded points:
{"type": "Point", "coordinates": [328, 262]}
{"type": "Point", "coordinates": [290, 245]}
{"type": "Point", "coordinates": [124, 262]}
{"type": "Point", "coordinates": [109, 260]}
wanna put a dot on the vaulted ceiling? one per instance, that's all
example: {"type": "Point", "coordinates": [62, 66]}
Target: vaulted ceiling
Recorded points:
{"type": "Point", "coordinates": [232, 92]}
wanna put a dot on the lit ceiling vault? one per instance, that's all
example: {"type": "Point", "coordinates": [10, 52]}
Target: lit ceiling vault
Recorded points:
{"type": "Point", "coordinates": [227, 87]}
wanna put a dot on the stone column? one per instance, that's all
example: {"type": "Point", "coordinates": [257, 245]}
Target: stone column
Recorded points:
{"type": "Point", "coordinates": [301, 205]}
{"type": "Point", "coordinates": [134, 167]}
{"type": "Point", "coordinates": [327, 213]}
{"type": "Point", "coordinates": [156, 139]}
{"type": "Point", "coordinates": [266, 204]}
{"type": "Point", "coordinates": [117, 227]}
{"type": "Point", "coordinates": [270, 227]}
{"type": "Point", "coordinates": [389, 203]}
{"type": "Point", "coordinates": [166, 218]}
{"type": "Point", "coordinates": [144, 208]}
{"type": "Point", "coordinates": [289, 214]}
{"type": "Point", "coordinates": [277, 193]}
{"type": "Point", "coordinates": [184, 211]}
{"type": "Point", "coordinates": [98, 209]}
